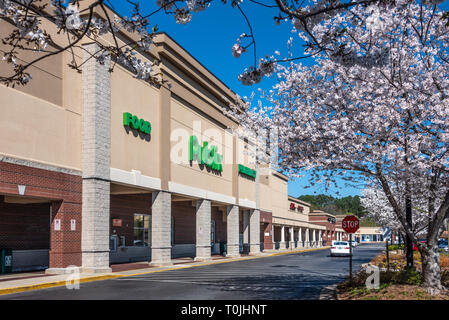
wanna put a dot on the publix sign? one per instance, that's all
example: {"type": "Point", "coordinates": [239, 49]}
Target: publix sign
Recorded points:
{"type": "Point", "coordinates": [247, 171]}
{"type": "Point", "coordinates": [134, 122]}
{"type": "Point", "coordinates": [205, 155]}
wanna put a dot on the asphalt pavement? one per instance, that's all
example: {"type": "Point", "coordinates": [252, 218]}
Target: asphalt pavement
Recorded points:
{"type": "Point", "coordinates": [283, 277]}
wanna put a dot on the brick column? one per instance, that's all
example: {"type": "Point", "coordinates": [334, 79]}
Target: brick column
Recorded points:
{"type": "Point", "coordinates": [96, 146]}
{"type": "Point", "coordinates": [254, 232]}
{"type": "Point", "coordinates": [203, 221]}
{"type": "Point", "coordinates": [161, 229]}
{"type": "Point", "coordinates": [65, 249]}
{"type": "Point", "coordinates": [232, 223]}
{"type": "Point", "coordinates": [282, 243]}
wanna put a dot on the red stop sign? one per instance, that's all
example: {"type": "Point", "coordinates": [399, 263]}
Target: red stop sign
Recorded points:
{"type": "Point", "coordinates": [350, 224]}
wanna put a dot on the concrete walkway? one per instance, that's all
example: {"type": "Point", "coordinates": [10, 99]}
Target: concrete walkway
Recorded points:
{"type": "Point", "coordinates": [13, 283]}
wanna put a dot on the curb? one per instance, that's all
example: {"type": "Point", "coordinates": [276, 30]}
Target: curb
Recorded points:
{"type": "Point", "coordinates": [329, 293]}
{"type": "Point", "coordinates": [52, 284]}
{"type": "Point", "coordinates": [60, 283]}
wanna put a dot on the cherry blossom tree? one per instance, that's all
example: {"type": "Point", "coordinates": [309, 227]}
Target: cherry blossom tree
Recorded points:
{"type": "Point", "coordinates": [377, 110]}
{"type": "Point", "coordinates": [92, 19]}
{"type": "Point", "coordinates": [380, 210]}
{"type": "Point", "coordinates": [32, 21]}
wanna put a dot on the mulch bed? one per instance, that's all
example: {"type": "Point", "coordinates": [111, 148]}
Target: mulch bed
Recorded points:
{"type": "Point", "coordinates": [389, 290]}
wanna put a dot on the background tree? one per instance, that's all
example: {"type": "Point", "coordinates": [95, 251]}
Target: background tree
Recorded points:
{"type": "Point", "coordinates": [337, 206]}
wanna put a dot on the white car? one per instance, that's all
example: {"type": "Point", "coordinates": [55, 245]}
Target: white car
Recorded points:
{"type": "Point", "coordinates": [354, 243]}
{"type": "Point", "coordinates": [340, 248]}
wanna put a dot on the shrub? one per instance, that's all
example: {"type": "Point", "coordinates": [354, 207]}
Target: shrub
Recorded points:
{"type": "Point", "coordinates": [359, 291]}
{"type": "Point", "coordinates": [387, 277]}
{"type": "Point", "coordinates": [411, 276]}
{"type": "Point", "coordinates": [393, 247]}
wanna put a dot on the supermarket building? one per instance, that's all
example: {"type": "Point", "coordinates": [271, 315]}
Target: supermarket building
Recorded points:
{"type": "Point", "coordinates": [94, 169]}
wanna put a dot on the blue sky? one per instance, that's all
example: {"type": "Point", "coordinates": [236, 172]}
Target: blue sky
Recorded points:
{"type": "Point", "coordinates": [209, 38]}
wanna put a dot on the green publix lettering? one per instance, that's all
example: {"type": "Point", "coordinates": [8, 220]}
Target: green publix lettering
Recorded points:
{"type": "Point", "coordinates": [247, 171]}
{"type": "Point", "coordinates": [204, 155]}
{"type": "Point", "coordinates": [132, 121]}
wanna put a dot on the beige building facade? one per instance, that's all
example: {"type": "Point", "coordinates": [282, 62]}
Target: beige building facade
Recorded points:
{"type": "Point", "coordinates": [101, 168]}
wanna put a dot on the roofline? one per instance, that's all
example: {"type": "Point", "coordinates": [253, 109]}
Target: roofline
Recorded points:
{"type": "Point", "coordinates": [167, 35]}
{"type": "Point", "coordinates": [217, 85]}
{"type": "Point", "coordinates": [292, 198]}
{"type": "Point", "coordinates": [321, 213]}
{"type": "Point", "coordinates": [280, 175]}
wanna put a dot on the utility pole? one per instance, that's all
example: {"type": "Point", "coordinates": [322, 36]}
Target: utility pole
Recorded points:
{"type": "Point", "coordinates": [350, 258]}
{"type": "Point", "coordinates": [408, 218]}
{"type": "Point", "coordinates": [388, 255]}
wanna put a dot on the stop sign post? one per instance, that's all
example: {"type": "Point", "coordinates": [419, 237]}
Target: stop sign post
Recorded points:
{"type": "Point", "coordinates": [350, 224]}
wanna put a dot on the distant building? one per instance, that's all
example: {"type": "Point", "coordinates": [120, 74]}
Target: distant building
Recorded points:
{"type": "Point", "coordinates": [333, 230]}
{"type": "Point", "coordinates": [369, 234]}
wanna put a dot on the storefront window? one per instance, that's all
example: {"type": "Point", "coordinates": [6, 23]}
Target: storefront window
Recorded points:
{"type": "Point", "coordinates": [142, 231]}
{"type": "Point", "coordinates": [172, 230]}
{"type": "Point", "coordinates": [212, 231]}
{"type": "Point", "coordinates": [113, 243]}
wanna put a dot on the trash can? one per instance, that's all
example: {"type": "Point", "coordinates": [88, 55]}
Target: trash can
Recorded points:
{"type": "Point", "coordinates": [5, 261]}
{"type": "Point", "coordinates": [223, 248]}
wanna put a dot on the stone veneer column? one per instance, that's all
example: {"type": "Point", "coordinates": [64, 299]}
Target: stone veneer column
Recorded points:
{"type": "Point", "coordinates": [292, 239]}
{"type": "Point", "coordinates": [307, 237]}
{"type": "Point", "coordinates": [321, 238]}
{"type": "Point", "coordinates": [203, 221]}
{"type": "Point", "coordinates": [300, 238]}
{"type": "Point", "coordinates": [282, 243]}
{"type": "Point", "coordinates": [96, 159]}
{"type": "Point", "coordinates": [161, 229]}
{"type": "Point", "coordinates": [254, 233]}
{"type": "Point", "coordinates": [232, 223]}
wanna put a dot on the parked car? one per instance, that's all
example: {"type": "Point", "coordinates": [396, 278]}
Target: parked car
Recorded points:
{"type": "Point", "coordinates": [442, 245]}
{"type": "Point", "coordinates": [354, 243]}
{"type": "Point", "coordinates": [415, 248]}
{"type": "Point", "coordinates": [340, 248]}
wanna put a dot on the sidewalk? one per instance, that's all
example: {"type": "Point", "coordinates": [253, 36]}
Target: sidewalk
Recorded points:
{"type": "Point", "coordinates": [20, 282]}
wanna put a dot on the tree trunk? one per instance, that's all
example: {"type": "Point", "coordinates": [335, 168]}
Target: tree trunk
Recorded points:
{"type": "Point", "coordinates": [430, 259]}
{"type": "Point", "coordinates": [409, 219]}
